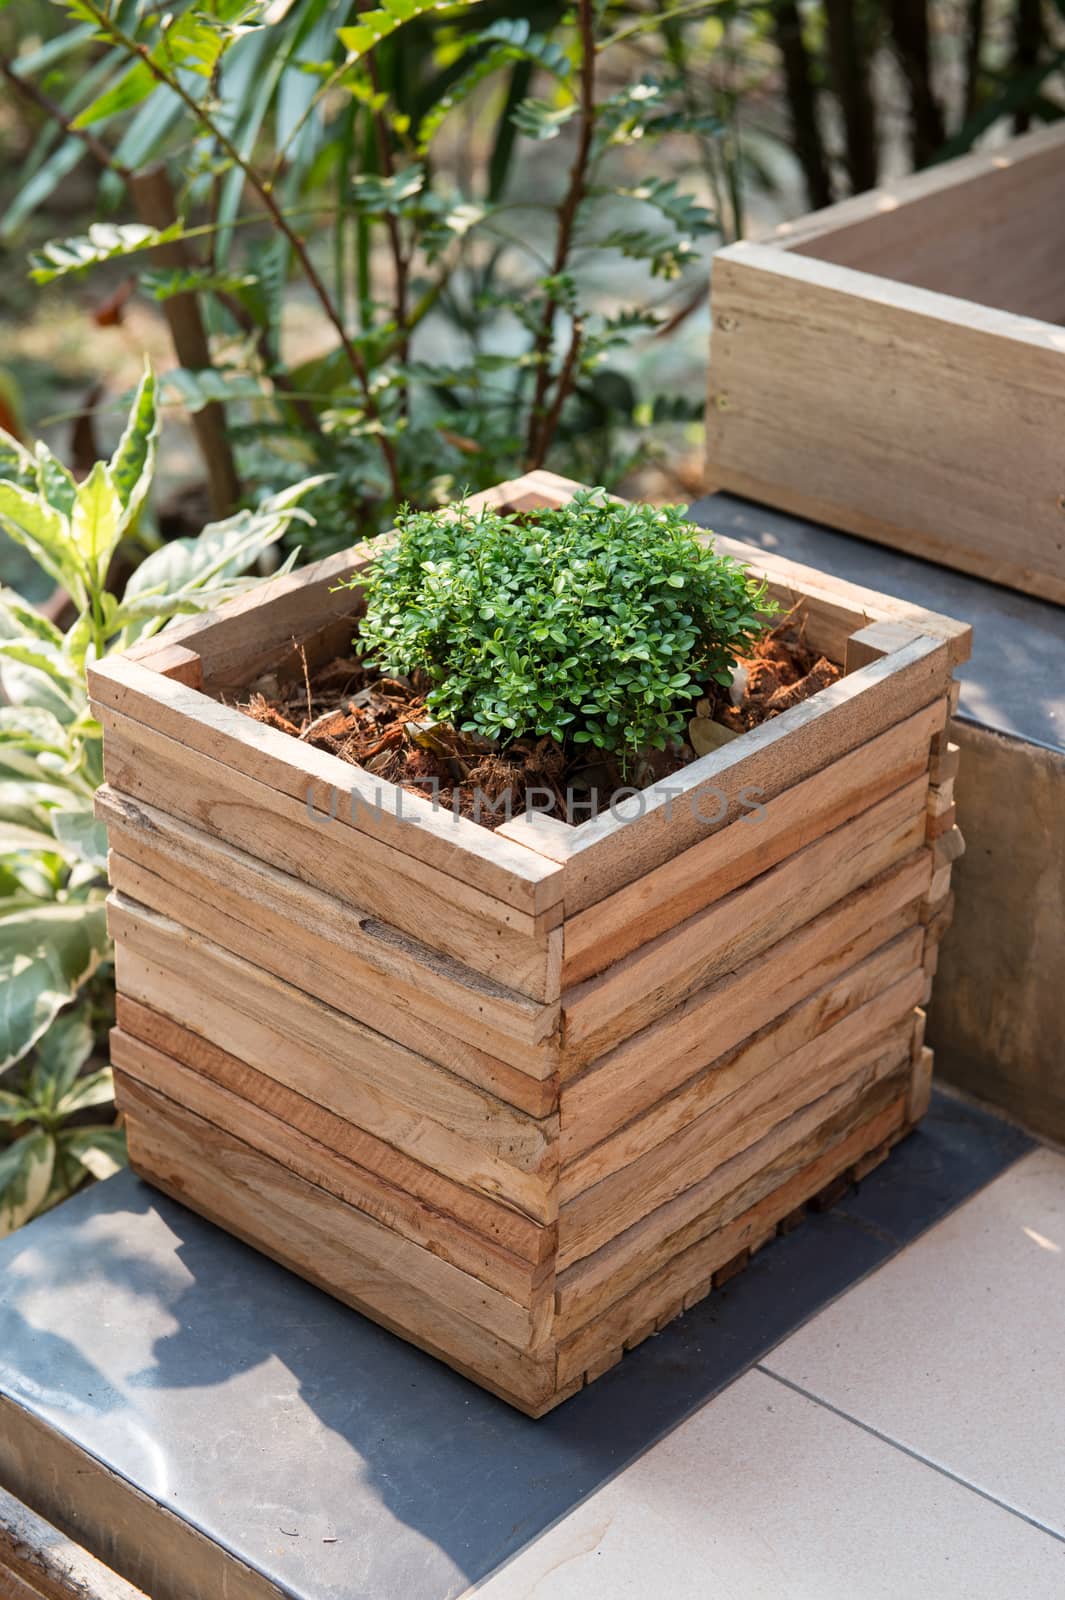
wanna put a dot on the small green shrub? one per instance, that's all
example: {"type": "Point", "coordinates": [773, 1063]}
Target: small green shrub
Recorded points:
{"type": "Point", "coordinates": [597, 623]}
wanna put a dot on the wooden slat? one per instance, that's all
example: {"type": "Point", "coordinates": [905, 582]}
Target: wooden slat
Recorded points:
{"type": "Point", "coordinates": [812, 1023]}
{"type": "Point", "coordinates": [733, 855]}
{"type": "Point", "coordinates": [920, 1090]}
{"type": "Point", "coordinates": [638, 990]}
{"type": "Point", "coordinates": [431, 836]}
{"type": "Point", "coordinates": [691, 1268]}
{"type": "Point", "coordinates": [171, 660]}
{"type": "Point", "coordinates": [895, 400]}
{"type": "Point", "coordinates": [299, 932]}
{"type": "Point", "coordinates": [463, 922]}
{"type": "Point", "coordinates": [379, 1004]}
{"type": "Point", "coordinates": [840, 1117]}
{"type": "Point", "coordinates": [37, 1562]}
{"type": "Point", "coordinates": [652, 1063]}
{"type": "Point", "coordinates": [976, 228]}
{"type": "Point", "coordinates": [384, 1250]}
{"type": "Point", "coordinates": [879, 1030]}
{"type": "Point", "coordinates": [312, 1234]}
{"type": "Point", "coordinates": [380, 1086]}
{"type": "Point", "coordinates": [147, 1080]}
{"type": "Point", "coordinates": [506, 1231]}
{"type": "Point", "coordinates": [669, 817]}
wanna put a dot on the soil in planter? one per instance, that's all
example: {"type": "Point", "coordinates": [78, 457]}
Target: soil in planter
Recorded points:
{"type": "Point", "coordinates": [380, 723]}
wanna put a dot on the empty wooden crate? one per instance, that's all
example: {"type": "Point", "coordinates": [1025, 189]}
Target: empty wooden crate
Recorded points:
{"type": "Point", "coordinates": [895, 365]}
{"type": "Point", "coordinates": [521, 1095]}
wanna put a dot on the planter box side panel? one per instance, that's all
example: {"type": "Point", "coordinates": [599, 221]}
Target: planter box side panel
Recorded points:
{"type": "Point", "coordinates": [989, 228]}
{"type": "Point", "coordinates": [402, 1099]}
{"type": "Point", "coordinates": [616, 849]}
{"type": "Point", "coordinates": [907, 418]}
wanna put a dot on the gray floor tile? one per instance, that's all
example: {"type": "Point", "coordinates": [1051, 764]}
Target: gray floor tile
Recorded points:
{"type": "Point", "coordinates": [765, 1495]}
{"type": "Point", "coordinates": [956, 1348]}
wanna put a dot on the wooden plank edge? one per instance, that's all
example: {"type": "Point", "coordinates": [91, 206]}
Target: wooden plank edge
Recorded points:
{"type": "Point", "coordinates": [452, 845]}
{"type": "Point", "coordinates": [686, 1279]}
{"type": "Point", "coordinates": [38, 1562]}
{"type": "Point", "coordinates": [258, 1213]}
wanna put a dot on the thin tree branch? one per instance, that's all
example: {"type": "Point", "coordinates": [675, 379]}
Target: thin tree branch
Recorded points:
{"type": "Point", "coordinates": [263, 189]}
{"type": "Point", "coordinates": [562, 390]}
{"type": "Point", "coordinates": [538, 438]}
{"type": "Point", "coordinates": [95, 146]}
{"type": "Point", "coordinates": [400, 259]}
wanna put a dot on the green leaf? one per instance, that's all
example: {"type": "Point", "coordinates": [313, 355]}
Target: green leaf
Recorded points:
{"type": "Point", "coordinates": [135, 85]}
{"type": "Point", "coordinates": [16, 837]}
{"type": "Point", "coordinates": [192, 43]}
{"type": "Point", "coordinates": [42, 531]}
{"type": "Point", "coordinates": [191, 570]}
{"type": "Point", "coordinates": [163, 283]}
{"type": "Point", "coordinates": [105, 241]}
{"type": "Point", "coordinates": [34, 729]}
{"type": "Point", "coordinates": [394, 196]}
{"type": "Point", "coordinates": [16, 463]}
{"type": "Point", "coordinates": [133, 464]}
{"type": "Point", "coordinates": [96, 1089]}
{"type": "Point", "coordinates": [374, 26]}
{"type": "Point", "coordinates": [196, 389]}
{"type": "Point", "coordinates": [61, 1054]}
{"type": "Point", "coordinates": [46, 954]}
{"type": "Point", "coordinates": [27, 684]}
{"type": "Point", "coordinates": [54, 481]}
{"type": "Point", "coordinates": [101, 1151]}
{"type": "Point", "coordinates": [39, 186]}
{"type": "Point", "coordinates": [18, 616]}
{"type": "Point", "coordinates": [15, 1108]}
{"type": "Point", "coordinates": [25, 1175]}
{"type": "Point", "coordinates": [96, 525]}
{"type": "Point", "coordinates": [81, 836]}
{"type": "Point", "coordinates": [538, 120]}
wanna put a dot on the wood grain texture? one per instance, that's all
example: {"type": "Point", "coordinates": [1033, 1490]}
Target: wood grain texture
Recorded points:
{"type": "Point", "coordinates": [629, 1319]}
{"type": "Point", "coordinates": [621, 846]}
{"type": "Point", "coordinates": [922, 421]}
{"type": "Point", "coordinates": [309, 1231]}
{"type": "Point", "coordinates": [317, 1144]}
{"type": "Point", "coordinates": [812, 1024]}
{"type": "Point", "coordinates": [294, 929]}
{"type": "Point", "coordinates": [840, 1121]}
{"type": "Point", "coordinates": [649, 1065]}
{"type": "Point", "coordinates": [367, 1078]}
{"type": "Point", "coordinates": [651, 982]}
{"type": "Point", "coordinates": [878, 1032]}
{"type": "Point", "coordinates": [985, 227]}
{"type": "Point", "coordinates": [455, 918]}
{"type": "Point", "coordinates": [450, 845]}
{"type": "Point", "coordinates": [151, 1087]}
{"type": "Point", "coordinates": [757, 841]}
{"type": "Point", "coordinates": [37, 1562]}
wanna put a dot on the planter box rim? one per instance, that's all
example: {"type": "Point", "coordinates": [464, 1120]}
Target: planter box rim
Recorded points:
{"type": "Point", "coordinates": [534, 848]}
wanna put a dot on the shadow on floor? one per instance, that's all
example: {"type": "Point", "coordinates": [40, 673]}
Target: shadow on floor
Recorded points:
{"type": "Point", "coordinates": [339, 1461]}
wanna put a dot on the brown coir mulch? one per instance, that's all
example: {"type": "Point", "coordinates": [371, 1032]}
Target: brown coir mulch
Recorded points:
{"type": "Point", "coordinates": [381, 724]}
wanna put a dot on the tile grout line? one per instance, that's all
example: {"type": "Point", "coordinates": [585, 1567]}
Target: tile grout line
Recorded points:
{"type": "Point", "coordinates": [915, 1455]}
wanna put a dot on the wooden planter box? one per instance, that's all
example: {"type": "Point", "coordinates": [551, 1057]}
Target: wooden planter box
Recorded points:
{"type": "Point", "coordinates": [895, 365]}
{"type": "Point", "coordinates": [521, 1097]}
